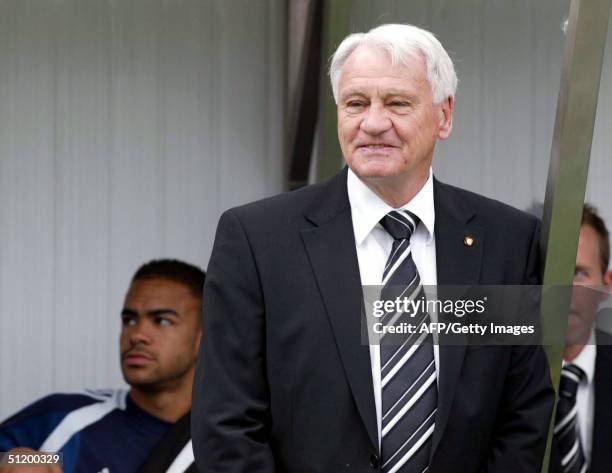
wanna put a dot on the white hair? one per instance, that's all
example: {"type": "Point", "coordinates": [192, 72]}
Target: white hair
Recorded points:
{"type": "Point", "coordinates": [400, 41]}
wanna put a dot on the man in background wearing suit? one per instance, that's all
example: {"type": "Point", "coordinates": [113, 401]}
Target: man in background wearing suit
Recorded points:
{"type": "Point", "coordinates": [284, 383]}
{"type": "Point", "coordinates": [583, 423]}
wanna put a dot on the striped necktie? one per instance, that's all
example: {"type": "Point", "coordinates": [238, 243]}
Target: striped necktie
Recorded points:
{"type": "Point", "coordinates": [566, 433]}
{"type": "Point", "coordinates": [408, 371]}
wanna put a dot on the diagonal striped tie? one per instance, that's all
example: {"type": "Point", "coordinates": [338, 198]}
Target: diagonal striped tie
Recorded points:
{"type": "Point", "coordinates": [408, 371]}
{"type": "Point", "coordinates": [566, 433]}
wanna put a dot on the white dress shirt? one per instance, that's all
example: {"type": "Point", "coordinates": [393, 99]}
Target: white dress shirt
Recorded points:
{"type": "Point", "coordinates": [374, 246]}
{"type": "Point", "coordinates": [585, 396]}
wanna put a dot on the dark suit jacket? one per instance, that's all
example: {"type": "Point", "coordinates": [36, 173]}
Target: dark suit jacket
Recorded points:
{"type": "Point", "coordinates": [601, 451]}
{"type": "Point", "coordinates": [284, 383]}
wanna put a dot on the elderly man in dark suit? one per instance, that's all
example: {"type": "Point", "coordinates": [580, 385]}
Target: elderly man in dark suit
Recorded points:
{"type": "Point", "coordinates": [583, 424]}
{"type": "Point", "coordinates": [284, 383]}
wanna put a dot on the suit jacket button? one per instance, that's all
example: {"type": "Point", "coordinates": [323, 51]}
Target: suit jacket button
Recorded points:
{"type": "Point", "coordinates": [374, 461]}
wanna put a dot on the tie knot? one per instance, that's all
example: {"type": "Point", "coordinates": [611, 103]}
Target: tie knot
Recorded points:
{"type": "Point", "coordinates": [571, 375]}
{"type": "Point", "coordinates": [400, 224]}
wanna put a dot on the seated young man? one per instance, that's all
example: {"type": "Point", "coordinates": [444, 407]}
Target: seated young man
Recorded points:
{"type": "Point", "coordinates": [145, 428]}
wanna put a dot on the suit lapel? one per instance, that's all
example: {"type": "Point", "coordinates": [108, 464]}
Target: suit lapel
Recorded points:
{"type": "Point", "coordinates": [456, 264]}
{"type": "Point", "coordinates": [330, 246]}
{"type": "Point", "coordinates": [601, 459]}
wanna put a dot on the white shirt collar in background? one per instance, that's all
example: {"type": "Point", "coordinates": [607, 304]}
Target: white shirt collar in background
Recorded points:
{"type": "Point", "coordinates": [586, 359]}
{"type": "Point", "coordinates": [585, 396]}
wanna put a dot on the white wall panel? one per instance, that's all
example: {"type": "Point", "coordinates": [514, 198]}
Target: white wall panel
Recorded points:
{"type": "Point", "coordinates": [507, 115]}
{"type": "Point", "coordinates": [244, 75]}
{"type": "Point", "coordinates": [81, 316]}
{"type": "Point", "coordinates": [461, 160]}
{"type": "Point", "coordinates": [27, 210]}
{"type": "Point", "coordinates": [126, 128]}
{"type": "Point", "coordinates": [599, 190]}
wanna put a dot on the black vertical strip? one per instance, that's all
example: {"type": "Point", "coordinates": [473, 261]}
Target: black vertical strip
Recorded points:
{"type": "Point", "coordinates": [305, 124]}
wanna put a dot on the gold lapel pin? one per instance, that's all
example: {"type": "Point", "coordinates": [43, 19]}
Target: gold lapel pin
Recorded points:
{"type": "Point", "coordinates": [468, 241]}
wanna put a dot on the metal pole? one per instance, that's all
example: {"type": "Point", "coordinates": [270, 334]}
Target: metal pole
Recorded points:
{"type": "Point", "coordinates": [336, 26]}
{"type": "Point", "coordinates": [569, 165]}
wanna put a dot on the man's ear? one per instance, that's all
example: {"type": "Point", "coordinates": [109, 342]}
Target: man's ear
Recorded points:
{"type": "Point", "coordinates": [198, 328]}
{"type": "Point", "coordinates": [198, 339]}
{"type": "Point", "coordinates": [607, 286]}
{"type": "Point", "coordinates": [446, 117]}
{"type": "Point", "coordinates": [608, 281]}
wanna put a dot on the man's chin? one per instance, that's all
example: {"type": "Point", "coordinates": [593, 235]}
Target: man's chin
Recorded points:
{"type": "Point", "coordinates": [388, 170]}
{"type": "Point", "coordinates": [578, 331]}
{"type": "Point", "coordinates": [141, 379]}
{"type": "Point", "coordinates": [375, 174]}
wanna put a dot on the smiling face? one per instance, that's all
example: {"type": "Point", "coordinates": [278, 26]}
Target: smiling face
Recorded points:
{"type": "Point", "coordinates": [388, 124]}
{"type": "Point", "coordinates": [160, 335]}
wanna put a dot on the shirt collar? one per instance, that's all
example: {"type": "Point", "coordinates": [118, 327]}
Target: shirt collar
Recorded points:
{"type": "Point", "coordinates": [586, 358]}
{"type": "Point", "coordinates": [368, 209]}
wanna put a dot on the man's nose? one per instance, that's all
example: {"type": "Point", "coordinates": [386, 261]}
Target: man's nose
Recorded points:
{"type": "Point", "coordinates": [376, 120]}
{"type": "Point", "coordinates": [140, 333]}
